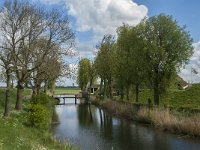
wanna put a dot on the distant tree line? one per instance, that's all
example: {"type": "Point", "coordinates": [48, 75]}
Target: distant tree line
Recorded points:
{"type": "Point", "coordinates": [33, 42]}
{"type": "Point", "coordinates": [149, 54]}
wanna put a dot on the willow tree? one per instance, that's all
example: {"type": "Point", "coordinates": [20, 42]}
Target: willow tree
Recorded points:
{"type": "Point", "coordinates": [104, 64]}
{"type": "Point", "coordinates": [124, 61]}
{"type": "Point", "coordinates": [137, 54]}
{"type": "Point", "coordinates": [168, 46]}
{"type": "Point", "coordinates": [83, 77]}
{"type": "Point", "coordinates": [129, 61]}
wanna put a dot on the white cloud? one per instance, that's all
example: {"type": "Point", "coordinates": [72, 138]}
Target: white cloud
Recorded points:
{"type": "Point", "coordinates": [50, 2]}
{"type": "Point", "coordinates": [186, 73]}
{"type": "Point", "coordinates": [101, 17]}
{"type": "Point", "coordinates": [86, 50]}
{"type": "Point", "coordinates": [104, 16]}
{"type": "Point", "coordinates": [196, 55]}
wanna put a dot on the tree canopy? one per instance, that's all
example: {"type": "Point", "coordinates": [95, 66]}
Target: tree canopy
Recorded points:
{"type": "Point", "coordinates": [148, 54]}
{"type": "Point", "coordinates": [31, 37]}
{"type": "Point", "coordinates": [83, 76]}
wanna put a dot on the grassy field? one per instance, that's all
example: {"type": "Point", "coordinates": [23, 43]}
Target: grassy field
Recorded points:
{"type": "Point", "coordinates": [66, 91]}
{"type": "Point", "coordinates": [178, 99]}
{"type": "Point", "coordinates": [15, 134]}
{"type": "Point", "coordinates": [12, 97]}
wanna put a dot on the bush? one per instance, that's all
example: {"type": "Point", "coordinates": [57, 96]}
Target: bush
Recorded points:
{"type": "Point", "coordinates": [42, 99]}
{"type": "Point", "coordinates": [38, 116]}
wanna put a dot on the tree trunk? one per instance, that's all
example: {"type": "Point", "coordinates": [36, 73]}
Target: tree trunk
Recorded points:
{"type": "Point", "coordinates": [100, 88]}
{"type": "Point", "coordinates": [45, 86]}
{"type": "Point", "coordinates": [34, 91]}
{"type": "Point", "coordinates": [110, 88]}
{"type": "Point", "coordinates": [20, 89]}
{"type": "Point", "coordinates": [7, 100]}
{"type": "Point", "coordinates": [104, 89]}
{"type": "Point", "coordinates": [91, 82]}
{"type": "Point", "coordinates": [52, 85]}
{"type": "Point", "coordinates": [156, 93]}
{"type": "Point", "coordinates": [122, 94]}
{"type": "Point", "coordinates": [12, 84]}
{"type": "Point", "coordinates": [127, 93]}
{"type": "Point", "coordinates": [38, 87]}
{"type": "Point", "coordinates": [137, 92]}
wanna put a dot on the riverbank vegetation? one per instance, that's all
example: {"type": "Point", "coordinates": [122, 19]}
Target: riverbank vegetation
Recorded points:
{"type": "Point", "coordinates": [138, 75]}
{"type": "Point", "coordinates": [178, 112]}
{"type": "Point", "coordinates": [28, 129]}
{"type": "Point", "coordinates": [181, 100]}
{"type": "Point", "coordinates": [182, 123]}
{"type": "Point", "coordinates": [34, 44]}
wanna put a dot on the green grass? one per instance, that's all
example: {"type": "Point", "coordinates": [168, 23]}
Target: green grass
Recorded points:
{"type": "Point", "coordinates": [16, 135]}
{"type": "Point", "coordinates": [66, 91]}
{"type": "Point", "coordinates": [179, 99]}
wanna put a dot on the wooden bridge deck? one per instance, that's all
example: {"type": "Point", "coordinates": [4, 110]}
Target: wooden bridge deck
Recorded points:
{"type": "Point", "coordinates": [65, 97]}
{"type": "Point", "coordinates": [75, 97]}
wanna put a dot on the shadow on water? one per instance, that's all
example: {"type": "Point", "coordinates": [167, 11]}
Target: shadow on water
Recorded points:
{"type": "Point", "coordinates": [55, 117]}
{"type": "Point", "coordinates": [89, 128]}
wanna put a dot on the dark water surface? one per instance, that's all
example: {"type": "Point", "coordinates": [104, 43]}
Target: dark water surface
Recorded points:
{"type": "Point", "coordinates": [89, 128]}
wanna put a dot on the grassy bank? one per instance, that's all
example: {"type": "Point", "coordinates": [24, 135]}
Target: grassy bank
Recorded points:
{"type": "Point", "coordinates": [179, 110]}
{"type": "Point", "coordinates": [16, 134]}
{"type": "Point", "coordinates": [188, 99]}
{"type": "Point", "coordinates": [159, 117]}
{"type": "Point", "coordinates": [66, 91]}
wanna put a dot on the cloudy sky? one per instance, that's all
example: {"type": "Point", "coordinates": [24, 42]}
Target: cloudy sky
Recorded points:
{"type": "Point", "coordinates": [91, 19]}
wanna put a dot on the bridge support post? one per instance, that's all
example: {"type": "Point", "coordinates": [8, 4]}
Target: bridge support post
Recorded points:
{"type": "Point", "coordinates": [75, 99]}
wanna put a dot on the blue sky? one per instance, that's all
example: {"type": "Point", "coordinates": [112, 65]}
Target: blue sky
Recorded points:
{"type": "Point", "coordinates": [186, 12]}
{"type": "Point", "coordinates": [91, 19]}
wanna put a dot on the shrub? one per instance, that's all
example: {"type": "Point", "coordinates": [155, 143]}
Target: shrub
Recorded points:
{"type": "Point", "coordinates": [38, 116]}
{"type": "Point", "coordinates": [42, 99]}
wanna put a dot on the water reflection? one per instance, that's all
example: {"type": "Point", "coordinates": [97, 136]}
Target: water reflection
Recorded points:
{"type": "Point", "coordinates": [89, 128]}
{"type": "Point", "coordinates": [84, 115]}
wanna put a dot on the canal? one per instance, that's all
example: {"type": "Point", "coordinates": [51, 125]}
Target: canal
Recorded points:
{"type": "Point", "coordinates": [90, 128]}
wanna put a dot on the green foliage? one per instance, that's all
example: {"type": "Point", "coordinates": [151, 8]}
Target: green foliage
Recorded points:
{"type": "Point", "coordinates": [187, 100]}
{"type": "Point", "coordinates": [84, 69]}
{"type": "Point", "coordinates": [123, 60]}
{"type": "Point", "coordinates": [41, 98]}
{"type": "Point", "coordinates": [38, 116]}
{"type": "Point", "coordinates": [38, 111]}
{"type": "Point", "coordinates": [24, 137]}
{"type": "Point", "coordinates": [15, 135]}
{"type": "Point", "coordinates": [104, 64]}
{"type": "Point", "coordinates": [168, 46]}
{"type": "Point", "coordinates": [150, 53]}
{"type": "Point", "coordinates": [129, 60]}
{"type": "Point", "coordinates": [13, 93]}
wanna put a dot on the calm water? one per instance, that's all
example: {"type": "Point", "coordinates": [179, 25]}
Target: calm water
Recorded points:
{"type": "Point", "coordinates": [89, 128]}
